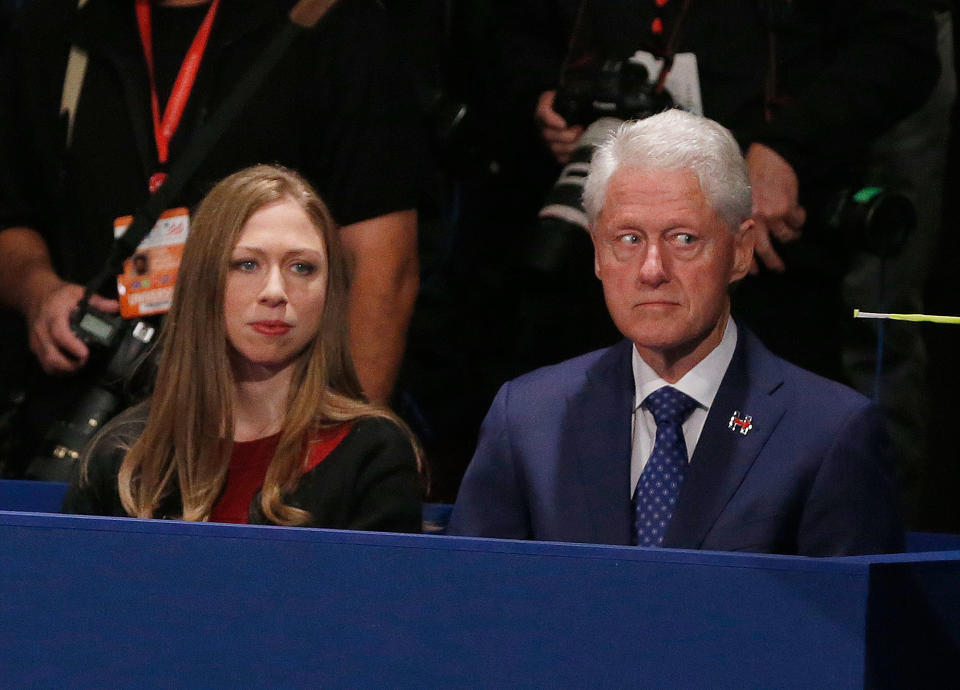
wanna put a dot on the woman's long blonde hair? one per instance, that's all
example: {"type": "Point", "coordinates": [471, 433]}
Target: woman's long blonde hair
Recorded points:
{"type": "Point", "coordinates": [188, 439]}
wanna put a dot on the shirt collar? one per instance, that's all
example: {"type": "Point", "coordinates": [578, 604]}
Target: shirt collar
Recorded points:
{"type": "Point", "coordinates": [701, 383]}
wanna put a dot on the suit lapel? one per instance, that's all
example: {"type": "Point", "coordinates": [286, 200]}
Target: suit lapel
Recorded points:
{"type": "Point", "coordinates": [723, 456]}
{"type": "Point", "coordinates": [597, 438]}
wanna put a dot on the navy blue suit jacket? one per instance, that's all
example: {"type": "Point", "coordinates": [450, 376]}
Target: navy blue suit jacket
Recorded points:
{"type": "Point", "coordinates": [812, 477]}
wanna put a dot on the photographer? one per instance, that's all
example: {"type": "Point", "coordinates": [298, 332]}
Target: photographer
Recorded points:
{"type": "Point", "coordinates": [804, 86]}
{"type": "Point", "coordinates": [337, 108]}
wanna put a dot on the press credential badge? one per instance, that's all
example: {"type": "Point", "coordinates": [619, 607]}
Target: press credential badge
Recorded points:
{"type": "Point", "coordinates": [146, 285]}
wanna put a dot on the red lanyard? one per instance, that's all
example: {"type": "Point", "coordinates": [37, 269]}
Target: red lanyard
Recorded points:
{"type": "Point", "coordinates": [163, 130]}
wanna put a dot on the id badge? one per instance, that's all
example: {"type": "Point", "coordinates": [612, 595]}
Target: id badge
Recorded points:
{"type": "Point", "coordinates": [146, 285]}
{"type": "Point", "coordinates": [683, 82]}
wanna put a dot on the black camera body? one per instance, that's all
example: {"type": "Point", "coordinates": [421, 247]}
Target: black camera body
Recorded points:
{"type": "Point", "coordinates": [612, 88]}
{"type": "Point", "coordinates": [119, 347]}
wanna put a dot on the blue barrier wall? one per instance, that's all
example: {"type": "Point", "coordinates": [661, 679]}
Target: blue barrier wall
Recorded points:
{"type": "Point", "coordinates": [87, 601]}
{"type": "Point", "coordinates": [98, 601]}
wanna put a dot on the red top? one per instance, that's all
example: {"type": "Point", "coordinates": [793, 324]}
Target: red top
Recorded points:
{"type": "Point", "coordinates": [248, 467]}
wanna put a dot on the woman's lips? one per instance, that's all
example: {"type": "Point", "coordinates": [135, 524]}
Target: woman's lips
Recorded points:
{"type": "Point", "coordinates": [271, 327]}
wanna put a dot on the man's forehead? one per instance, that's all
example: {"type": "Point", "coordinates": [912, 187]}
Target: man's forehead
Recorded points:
{"type": "Point", "coordinates": [637, 189]}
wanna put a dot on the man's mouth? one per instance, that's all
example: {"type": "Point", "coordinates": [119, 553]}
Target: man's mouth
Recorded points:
{"type": "Point", "coordinates": [656, 303]}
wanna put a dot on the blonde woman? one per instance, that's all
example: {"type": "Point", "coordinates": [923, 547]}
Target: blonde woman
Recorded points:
{"type": "Point", "coordinates": [257, 415]}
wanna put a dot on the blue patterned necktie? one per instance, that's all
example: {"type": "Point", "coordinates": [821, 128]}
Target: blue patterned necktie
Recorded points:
{"type": "Point", "coordinates": [662, 476]}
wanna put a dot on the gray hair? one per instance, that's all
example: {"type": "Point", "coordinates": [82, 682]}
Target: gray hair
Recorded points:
{"type": "Point", "coordinates": [675, 140]}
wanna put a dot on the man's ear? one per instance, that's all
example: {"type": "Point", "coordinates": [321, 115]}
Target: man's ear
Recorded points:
{"type": "Point", "coordinates": [596, 256]}
{"type": "Point", "coordinates": [743, 241]}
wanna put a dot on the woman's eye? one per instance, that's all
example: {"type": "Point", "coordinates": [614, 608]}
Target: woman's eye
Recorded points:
{"type": "Point", "coordinates": [245, 265]}
{"type": "Point", "coordinates": [303, 268]}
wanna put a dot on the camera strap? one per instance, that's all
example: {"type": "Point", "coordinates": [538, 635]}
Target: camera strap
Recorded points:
{"type": "Point", "coordinates": [302, 17]}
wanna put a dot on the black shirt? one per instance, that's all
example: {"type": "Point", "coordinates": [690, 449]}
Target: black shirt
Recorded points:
{"type": "Point", "coordinates": [338, 108]}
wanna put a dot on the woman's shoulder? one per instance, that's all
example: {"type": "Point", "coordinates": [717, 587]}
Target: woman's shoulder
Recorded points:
{"type": "Point", "coordinates": [370, 481]}
{"type": "Point", "coordinates": [371, 441]}
{"type": "Point", "coordinates": [376, 428]}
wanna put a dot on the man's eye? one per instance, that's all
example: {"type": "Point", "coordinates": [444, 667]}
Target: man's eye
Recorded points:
{"type": "Point", "coordinates": [303, 268]}
{"type": "Point", "coordinates": [684, 239]}
{"type": "Point", "coordinates": [629, 238]}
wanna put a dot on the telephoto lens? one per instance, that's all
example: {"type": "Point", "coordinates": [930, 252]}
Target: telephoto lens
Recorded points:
{"type": "Point", "coordinates": [563, 202]}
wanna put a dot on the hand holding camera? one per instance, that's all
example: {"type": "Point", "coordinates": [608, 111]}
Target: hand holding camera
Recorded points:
{"type": "Point", "coordinates": [560, 137]}
{"type": "Point", "coordinates": [52, 339]}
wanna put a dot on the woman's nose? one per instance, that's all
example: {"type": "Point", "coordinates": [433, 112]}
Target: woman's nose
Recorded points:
{"type": "Point", "coordinates": [273, 291]}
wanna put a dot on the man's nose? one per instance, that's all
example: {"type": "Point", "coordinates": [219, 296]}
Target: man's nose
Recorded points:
{"type": "Point", "coordinates": [652, 269]}
{"type": "Point", "coordinates": [274, 291]}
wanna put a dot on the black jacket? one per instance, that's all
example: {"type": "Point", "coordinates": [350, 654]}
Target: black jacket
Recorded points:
{"type": "Point", "coordinates": [368, 482]}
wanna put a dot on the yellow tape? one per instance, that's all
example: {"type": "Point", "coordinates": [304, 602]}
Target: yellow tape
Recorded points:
{"type": "Point", "coordinates": [928, 318]}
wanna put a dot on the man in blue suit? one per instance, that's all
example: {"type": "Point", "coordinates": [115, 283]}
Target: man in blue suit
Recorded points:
{"type": "Point", "coordinates": [689, 433]}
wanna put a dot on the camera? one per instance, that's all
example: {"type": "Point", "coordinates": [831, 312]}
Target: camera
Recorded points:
{"type": "Point", "coordinates": [613, 88]}
{"type": "Point", "coordinates": [874, 219]}
{"type": "Point", "coordinates": [122, 346]}
{"type": "Point", "coordinates": [600, 97]}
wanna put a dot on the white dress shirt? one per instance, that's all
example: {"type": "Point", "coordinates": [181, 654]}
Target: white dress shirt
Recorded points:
{"type": "Point", "coordinates": [700, 383]}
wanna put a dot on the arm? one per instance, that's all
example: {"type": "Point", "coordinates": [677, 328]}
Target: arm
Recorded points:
{"type": "Point", "coordinates": [852, 505]}
{"type": "Point", "coordinates": [28, 281]}
{"type": "Point", "coordinates": [364, 158]}
{"type": "Point", "coordinates": [29, 284]}
{"type": "Point", "coordinates": [383, 254]}
{"type": "Point", "coordinates": [883, 65]}
{"type": "Point", "coordinates": [491, 501]}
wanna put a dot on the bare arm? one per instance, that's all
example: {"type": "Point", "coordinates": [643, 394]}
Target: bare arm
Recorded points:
{"type": "Point", "coordinates": [386, 277]}
{"type": "Point", "coordinates": [29, 284]}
